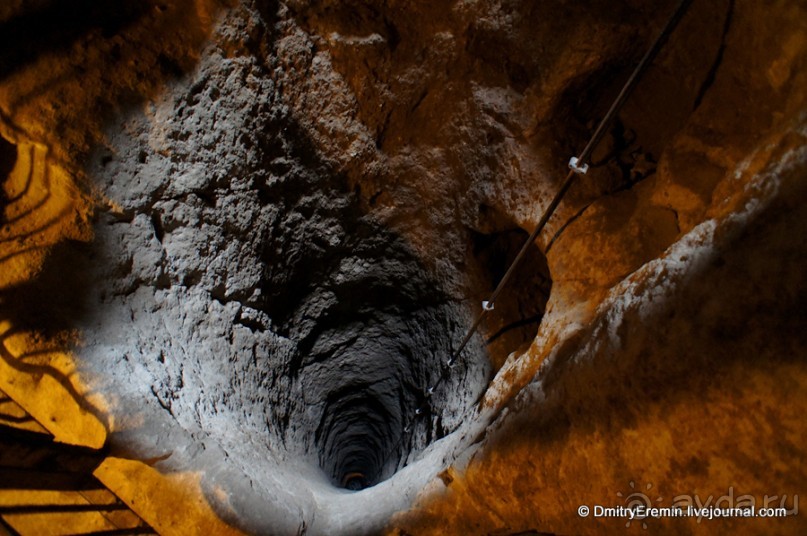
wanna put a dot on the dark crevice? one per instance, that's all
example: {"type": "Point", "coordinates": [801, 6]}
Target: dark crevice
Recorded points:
{"type": "Point", "coordinates": [8, 158]}
{"type": "Point", "coordinates": [521, 306]}
{"type": "Point", "coordinates": [565, 225]}
{"type": "Point", "coordinates": [157, 224]}
{"type": "Point", "coordinates": [514, 325]}
{"type": "Point", "coordinates": [56, 25]}
{"type": "Point", "coordinates": [634, 165]}
{"type": "Point", "coordinates": [710, 76]}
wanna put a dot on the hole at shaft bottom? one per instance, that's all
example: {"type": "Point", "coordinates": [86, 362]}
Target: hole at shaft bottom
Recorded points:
{"type": "Point", "coordinates": [355, 481]}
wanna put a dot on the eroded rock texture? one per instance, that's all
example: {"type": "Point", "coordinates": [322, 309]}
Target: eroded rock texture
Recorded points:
{"type": "Point", "coordinates": [261, 229]}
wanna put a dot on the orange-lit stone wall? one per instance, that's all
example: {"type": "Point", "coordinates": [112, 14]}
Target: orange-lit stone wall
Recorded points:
{"type": "Point", "coordinates": [217, 174]}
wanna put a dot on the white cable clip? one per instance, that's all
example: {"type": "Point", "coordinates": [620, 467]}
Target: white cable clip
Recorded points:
{"type": "Point", "coordinates": [430, 391]}
{"type": "Point", "coordinates": [580, 170]}
{"type": "Point", "coordinates": [418, 411]}
{"type": "Point", "coordinates": [487, 305]}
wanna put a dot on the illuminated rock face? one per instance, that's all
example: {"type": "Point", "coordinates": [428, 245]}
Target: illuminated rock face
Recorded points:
{"type": "Point", "coordinates": [258, 295]}
{"type": "Point", "coordinates": [297, 208]}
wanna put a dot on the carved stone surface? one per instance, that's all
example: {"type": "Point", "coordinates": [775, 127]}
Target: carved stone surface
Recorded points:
{"type": "Point", "coordinates": [257, 231]}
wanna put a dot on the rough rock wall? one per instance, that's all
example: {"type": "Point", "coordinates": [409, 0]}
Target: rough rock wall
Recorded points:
{"type": "Point", "coordinates": [296, 209]}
